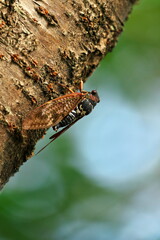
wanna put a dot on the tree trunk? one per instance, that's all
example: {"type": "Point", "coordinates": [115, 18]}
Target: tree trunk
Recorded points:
{"type": "Point", "coordinates": [44, 43]}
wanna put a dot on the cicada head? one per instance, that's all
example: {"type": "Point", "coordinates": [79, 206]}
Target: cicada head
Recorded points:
{"type": "Point", "coordinates": [93, 97]}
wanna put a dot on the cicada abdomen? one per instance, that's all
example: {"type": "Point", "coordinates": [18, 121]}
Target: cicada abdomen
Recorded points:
{"type": "Point", "coordinates": [85, 106]}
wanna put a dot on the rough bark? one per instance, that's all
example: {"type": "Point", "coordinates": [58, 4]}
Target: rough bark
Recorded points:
{"type": "Point", "coordinates": [42, 44]}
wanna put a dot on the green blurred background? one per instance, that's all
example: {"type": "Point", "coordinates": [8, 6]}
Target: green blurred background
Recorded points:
{"type": "Point", "coordinates": [101, 179]}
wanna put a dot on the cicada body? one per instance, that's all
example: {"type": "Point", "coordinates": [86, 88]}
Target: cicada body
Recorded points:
{"type": "Point", "coordinates": [84, 107]}
{"type": "Point", "coordinates": [61, 112]}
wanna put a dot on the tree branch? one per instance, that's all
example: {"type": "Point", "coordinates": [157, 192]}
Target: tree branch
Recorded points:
{"type": "Point", "coordinates": [44, 43]}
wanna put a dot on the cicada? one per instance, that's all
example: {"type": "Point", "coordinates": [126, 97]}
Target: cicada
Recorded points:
{"type": "Point", "coordinates": [61, 112]}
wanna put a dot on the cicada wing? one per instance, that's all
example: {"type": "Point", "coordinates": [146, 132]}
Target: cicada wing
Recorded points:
{"type": "Point", "coordinates": [52, 112]}
{"type": "Point", "coordinates": [56, 135]}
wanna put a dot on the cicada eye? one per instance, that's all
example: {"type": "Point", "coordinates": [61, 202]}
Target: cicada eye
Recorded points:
{"type": "Point", "coordinates": [94, 92]}
{"type": "Point", "coordinates": [95, 95]}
